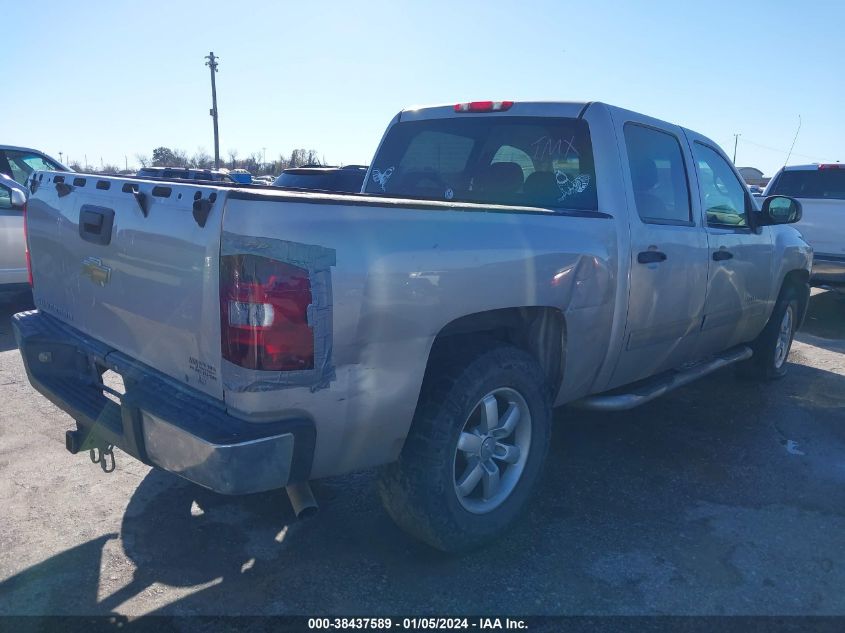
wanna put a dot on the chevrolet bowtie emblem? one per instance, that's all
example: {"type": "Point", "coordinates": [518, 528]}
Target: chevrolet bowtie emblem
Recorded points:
{"type": "Point", "coordinates": [95, 270]}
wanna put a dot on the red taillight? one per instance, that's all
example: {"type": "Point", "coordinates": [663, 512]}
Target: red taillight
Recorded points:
{"type": "Point", "coordinates": [264, 314]}
{"type": "Point", "coordinates": [832, 166]}
{"type": "Point", "coordinates": [483, 106]}
{"type": "Point", "coordinates": [26, 249]}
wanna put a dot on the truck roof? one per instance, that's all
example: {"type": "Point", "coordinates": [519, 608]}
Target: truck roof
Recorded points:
{"type": "Point", "coordinates": [573, 109]}
{"type": "Point", "coordinates": [810, 167]}
{"type": "Point", "coordinates": [525, 108]}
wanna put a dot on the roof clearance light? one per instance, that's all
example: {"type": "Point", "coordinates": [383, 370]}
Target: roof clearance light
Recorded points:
{"type": "Point", "coordinates": [483, 106]}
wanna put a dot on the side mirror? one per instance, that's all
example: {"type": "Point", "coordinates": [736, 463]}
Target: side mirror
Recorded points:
{"type": "Point", "coordinates": [781, 210]}
{"type": "Point", "coordinates": [18, 199]}
{"type": "Point", "coordinates": [11, 197]}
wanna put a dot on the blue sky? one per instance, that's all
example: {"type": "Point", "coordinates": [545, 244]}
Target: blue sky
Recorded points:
{"type": "Point", "coordinates": [115, 79]}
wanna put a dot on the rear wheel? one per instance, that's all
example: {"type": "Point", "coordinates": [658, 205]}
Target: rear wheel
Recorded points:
{"type": "Point", "coordinates": [474, 452]}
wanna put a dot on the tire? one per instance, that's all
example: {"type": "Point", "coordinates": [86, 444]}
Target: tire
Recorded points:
{"type": "Point", "coordinates": [429, 492]}
{"type": "Point", "coordinates": [771, 348]}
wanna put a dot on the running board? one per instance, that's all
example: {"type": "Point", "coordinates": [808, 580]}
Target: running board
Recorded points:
{"type": "Point", "coordinates": [651, 388]}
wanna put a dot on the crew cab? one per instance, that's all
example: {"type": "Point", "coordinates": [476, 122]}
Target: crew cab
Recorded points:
{"type": "Point", "coordinates": [502, 259]}
{"type": "Point", "coordinates": [821, 190]}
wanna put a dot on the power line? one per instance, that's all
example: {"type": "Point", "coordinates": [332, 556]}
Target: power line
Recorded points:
{"type": "Point", "coordinates": [781, 151]}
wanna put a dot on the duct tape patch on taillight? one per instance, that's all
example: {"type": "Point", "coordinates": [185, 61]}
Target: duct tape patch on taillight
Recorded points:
{"type": "Point", "coordinates": [317, 261]}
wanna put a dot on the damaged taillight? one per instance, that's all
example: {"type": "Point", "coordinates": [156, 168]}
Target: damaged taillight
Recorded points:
{"type": "Point", "coordinates": [264, 307]}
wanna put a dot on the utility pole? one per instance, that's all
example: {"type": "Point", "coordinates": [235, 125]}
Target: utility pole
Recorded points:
{"type": "Point", "coordinates": [61, 160]}
{"type": "Point", "coordinates": [211, 62]}
{"type": "Point", "coordinates": [736, 138]}
{"type": "Point", "coordinates": [263, 157]}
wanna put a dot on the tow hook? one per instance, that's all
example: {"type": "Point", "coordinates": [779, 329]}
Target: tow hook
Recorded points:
{"type": "Point", "coordinates": [104, 456]}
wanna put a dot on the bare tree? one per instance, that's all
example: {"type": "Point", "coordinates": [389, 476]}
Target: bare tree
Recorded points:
{"type": "Point", "coordinates": [143, 159]}
{"type": "Point", "coordinates": [233, 158]}
{"type": "Point", "coordinates": [252, 162]}
{"type": "Point", "coordinates": [300, 157]}
{"type": "Point", "coordinates": [180, 158]}
{"type": "Point", "coordinates": [202, 159]}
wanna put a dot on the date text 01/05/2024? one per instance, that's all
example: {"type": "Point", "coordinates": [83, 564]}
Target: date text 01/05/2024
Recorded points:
{"type": "Point", "coordinates": [424, 623]}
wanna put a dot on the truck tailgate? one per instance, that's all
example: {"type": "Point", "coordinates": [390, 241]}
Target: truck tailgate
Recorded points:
{"type": "Point", "coordinates": [136, 271]}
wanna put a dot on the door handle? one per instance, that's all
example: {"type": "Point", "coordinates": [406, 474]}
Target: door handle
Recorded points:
{"type": "Point", "coordinates": [651, 257]}
{"type": "Point", "coordinates": [721, 255]}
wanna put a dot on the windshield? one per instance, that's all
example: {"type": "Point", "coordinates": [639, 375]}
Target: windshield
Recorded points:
{"type": "Point", "coordinates": [811, 183]}
{"type": "Point", "coordinates": [525, 161]}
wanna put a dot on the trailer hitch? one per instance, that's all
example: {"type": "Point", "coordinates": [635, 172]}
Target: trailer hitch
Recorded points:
{"type": "Point", "coordinates": [104, 456]}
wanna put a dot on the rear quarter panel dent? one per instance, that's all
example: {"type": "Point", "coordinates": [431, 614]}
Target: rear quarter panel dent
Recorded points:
{"type": "Point", "coordinates": [401, 276]}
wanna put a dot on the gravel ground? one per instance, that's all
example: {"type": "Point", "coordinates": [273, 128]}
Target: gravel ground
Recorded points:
{"type": "Point", "coordinates": [724, 497]}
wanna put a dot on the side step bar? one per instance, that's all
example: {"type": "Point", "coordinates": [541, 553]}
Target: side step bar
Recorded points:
{"type": "Point", "coordinates": [652, 388]}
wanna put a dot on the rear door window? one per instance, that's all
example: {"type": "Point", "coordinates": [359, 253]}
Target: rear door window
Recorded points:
{"type": "Point", "coordinates": [658, 175]}
{"type": "Point", "coordinates": [826, 182]}
{"type": "Point", "coordinates": [522, 161]}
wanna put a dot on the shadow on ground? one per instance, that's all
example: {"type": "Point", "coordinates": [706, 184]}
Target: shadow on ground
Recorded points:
{"type": "Point", "coordinates": [724, 497]}
{"type": "Point", "coordinates": [824, 325]}
{"type": "Point", "coordinates": [10, 303]}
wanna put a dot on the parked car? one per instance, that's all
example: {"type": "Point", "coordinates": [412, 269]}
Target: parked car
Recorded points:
{"type": "Point", "coordinates": [241, 175]}
{"type": "Point", "coordinates": [349, 178]}
{"type": "Point", "coordinates": [185, 173]}
{"type": "Point", "coordinates": [19, 162]}
{"type": "Point", "coordinates": [502, 259]}
{"type": "Point", "coordinates": [13, 267]}
{"type": "Point", "coordinates": [821, 190]}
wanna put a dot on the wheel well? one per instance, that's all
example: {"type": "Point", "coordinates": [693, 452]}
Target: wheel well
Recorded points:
{"type": "Point", "coordinates": [540, 331]}
{"type": "Point", "coordinates": [799, 281]}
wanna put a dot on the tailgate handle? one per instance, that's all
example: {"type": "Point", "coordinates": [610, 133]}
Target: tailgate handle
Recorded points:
{"type": "Point", "coordinates": [95, 224]}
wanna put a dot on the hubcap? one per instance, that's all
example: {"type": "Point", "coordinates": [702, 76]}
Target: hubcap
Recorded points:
{"type": "Point", "coordinates": [492, 450]}
{"type": "Point", "coordinates": [784, 340]}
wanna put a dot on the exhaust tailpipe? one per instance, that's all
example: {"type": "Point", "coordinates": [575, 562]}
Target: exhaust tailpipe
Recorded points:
{"type": "Point", "coordinates": [302, 500]}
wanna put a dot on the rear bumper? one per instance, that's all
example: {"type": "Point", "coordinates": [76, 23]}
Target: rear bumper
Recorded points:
{"type": "Point", "coordinates": [158, 421]}
{"type": "Point", "coordinates": [828, 270]}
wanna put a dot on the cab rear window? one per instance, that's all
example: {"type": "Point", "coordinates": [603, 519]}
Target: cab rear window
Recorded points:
{"type": "Point", "coordinates": [522, 161]}
{"type": "Point", "coordinates": [811, 183]}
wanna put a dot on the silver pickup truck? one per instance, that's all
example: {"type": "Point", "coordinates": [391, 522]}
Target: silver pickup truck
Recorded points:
{"type": "Point", "coordinates": [503, 259]}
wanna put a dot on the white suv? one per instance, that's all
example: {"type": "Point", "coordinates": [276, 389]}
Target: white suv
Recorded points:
{"type": "Point", "coordinates": [821, 190]}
